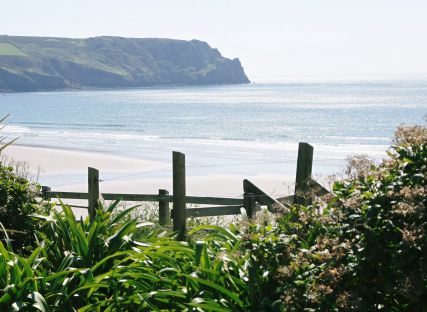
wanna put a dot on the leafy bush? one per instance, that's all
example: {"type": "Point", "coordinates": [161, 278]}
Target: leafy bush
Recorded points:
{"type": "Point", "coordinates": [17, 202]}
{"type": "Point", "coordinates": [361, 249]}
{"type": "Point", "coordinates": [365, 248]}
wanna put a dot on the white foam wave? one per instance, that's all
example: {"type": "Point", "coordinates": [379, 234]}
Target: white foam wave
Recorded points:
{"type": "Point", "coordinates": [9, 129]}
{"type": "Point", "coordinates": [136, 139]}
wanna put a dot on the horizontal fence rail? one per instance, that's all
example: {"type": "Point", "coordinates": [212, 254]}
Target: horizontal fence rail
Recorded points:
{"type": "Point", "coordinates": [147, 198]}
{"type": "Point", "coordinates": [305, 189]}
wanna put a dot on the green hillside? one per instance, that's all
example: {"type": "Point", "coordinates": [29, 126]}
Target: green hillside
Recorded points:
{"type": "Point", "coordinates": [42, 63]}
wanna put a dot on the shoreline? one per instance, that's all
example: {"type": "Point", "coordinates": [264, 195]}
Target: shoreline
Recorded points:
{"type": "Point", "coordinates": [148, 87]}
{"type": "Point", "coordinates": [373, 79]}
{"type": "Point", "coordinates": [66, 170]}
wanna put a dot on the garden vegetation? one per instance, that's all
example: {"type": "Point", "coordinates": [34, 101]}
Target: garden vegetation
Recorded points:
{"type": "Point", "coordinates": [361, 249]}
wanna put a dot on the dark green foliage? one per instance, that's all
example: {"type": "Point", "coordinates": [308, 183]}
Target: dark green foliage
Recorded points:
{"type": "Point", "coordinates": [38, 63]}
{"type": "Point", "coordinates": [17, 202]}
{"type": "Point", "coordinates": [365, 248]}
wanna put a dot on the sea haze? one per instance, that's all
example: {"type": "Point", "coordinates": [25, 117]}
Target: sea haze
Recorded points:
{"type": "Point", "coordinates": [222, 129]}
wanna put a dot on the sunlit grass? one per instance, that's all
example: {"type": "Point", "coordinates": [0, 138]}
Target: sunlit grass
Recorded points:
{"type": "Point", "coordinates": [7, 49]}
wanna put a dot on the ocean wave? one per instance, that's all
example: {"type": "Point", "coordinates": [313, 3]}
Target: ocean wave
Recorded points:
{"type": "Point", "coordinates": [125, 138]}
{"type": "Point", "coordinates": [62, 124]}
{"type": "Point", "coordinates": [9, 129]}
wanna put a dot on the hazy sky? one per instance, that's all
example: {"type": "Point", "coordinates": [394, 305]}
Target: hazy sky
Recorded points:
{"type": "Point", "coordinates": [274, 39]}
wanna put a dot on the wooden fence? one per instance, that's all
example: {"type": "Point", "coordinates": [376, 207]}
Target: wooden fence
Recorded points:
{"type": "Point", "coordinates": [305, 189]}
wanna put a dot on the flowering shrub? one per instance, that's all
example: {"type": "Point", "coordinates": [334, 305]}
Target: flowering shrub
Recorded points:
{"type": "Point", "coordinates": [361, 249]}
{"type": "Point", "coordinates": [365, 248]}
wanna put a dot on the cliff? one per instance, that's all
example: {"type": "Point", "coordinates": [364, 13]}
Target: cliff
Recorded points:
{"type": "Point", "coordinates": [43, 63]}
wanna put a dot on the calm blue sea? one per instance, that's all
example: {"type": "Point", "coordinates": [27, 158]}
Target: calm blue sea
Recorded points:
{"type": "Point", "coordinates": [223, 127]}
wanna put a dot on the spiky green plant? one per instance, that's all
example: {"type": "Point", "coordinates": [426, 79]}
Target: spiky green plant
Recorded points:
{"type": "Point", "coordinates": [97, 265]}
{"type": "Point", "coordinates": [18, 279]}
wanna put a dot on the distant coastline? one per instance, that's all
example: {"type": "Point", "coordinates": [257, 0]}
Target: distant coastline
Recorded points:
{"type": "Point", "coordinates": [31, 64]}
{"type": "Point", "coordinates": [136, 88]}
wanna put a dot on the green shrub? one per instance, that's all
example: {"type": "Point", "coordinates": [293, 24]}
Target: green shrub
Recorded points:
{"type": "Point", "coordinates": [366, 249]}
{"type": "Point", "coordinates": [17, 202]}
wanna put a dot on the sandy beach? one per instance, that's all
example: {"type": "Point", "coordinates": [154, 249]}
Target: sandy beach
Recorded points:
{"type": "Point", "coordinates": [66, 170]}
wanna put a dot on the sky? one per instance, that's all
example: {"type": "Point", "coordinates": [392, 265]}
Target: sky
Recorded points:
{"type": "Point", "coordinates": [276, 40]}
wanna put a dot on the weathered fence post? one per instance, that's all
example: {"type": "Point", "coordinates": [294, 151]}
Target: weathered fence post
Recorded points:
{"type": "Point", "coordinates": [249, 204]}
{"type": "Point", "coordinates": [45, 190]}
{"type": "Point", "coordinates": [179, 213]}
{"type": "Point", "coordinates": [303, 175]}
{"type": "Point", "coordinates": [93, 190]}
{"type": "Point", "coordinates": [164, 212]}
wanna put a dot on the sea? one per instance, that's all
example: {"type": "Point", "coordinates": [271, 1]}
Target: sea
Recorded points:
{"type": "Point", "coordinates": [226, 129]}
